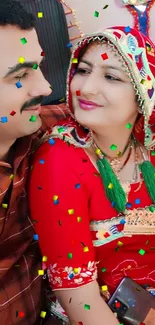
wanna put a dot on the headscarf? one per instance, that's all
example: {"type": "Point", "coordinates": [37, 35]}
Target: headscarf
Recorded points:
{"type": "Point", "coordinates": [137, 53]}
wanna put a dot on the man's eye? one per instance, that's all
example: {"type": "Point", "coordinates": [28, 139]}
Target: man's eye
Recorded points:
{"type": "Point", "coordinates": [109, 77]}
{"type": "Point", "coordinates": [22, 77]}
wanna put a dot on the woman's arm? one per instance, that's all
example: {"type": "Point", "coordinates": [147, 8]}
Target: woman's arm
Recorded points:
{"type": "Point", "coordinates": [75, 302]}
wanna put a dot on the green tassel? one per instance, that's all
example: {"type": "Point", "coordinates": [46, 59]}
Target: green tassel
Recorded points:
{"type": "Point", "coordinates": [148, 172]}
{"type": "Point", "coordinates": [115, 194]}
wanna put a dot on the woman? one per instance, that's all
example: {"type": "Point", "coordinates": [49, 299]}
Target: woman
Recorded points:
{"type": "Point", "coordinates": [92, 188]}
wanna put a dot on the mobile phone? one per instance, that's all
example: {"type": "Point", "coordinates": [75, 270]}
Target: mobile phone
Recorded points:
{"type": "Point", "coordinates": [132, 303]}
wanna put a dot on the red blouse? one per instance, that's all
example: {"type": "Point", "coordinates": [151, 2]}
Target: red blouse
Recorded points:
{"type": "Point", "coordinates": [79, 230]}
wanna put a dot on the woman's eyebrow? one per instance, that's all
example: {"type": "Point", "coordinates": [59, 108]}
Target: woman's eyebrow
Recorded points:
{"type": "Point", "coordinates": [108, 66]}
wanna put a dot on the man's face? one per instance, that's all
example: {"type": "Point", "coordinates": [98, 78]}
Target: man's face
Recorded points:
{"type": "Point", "coordinates": [14, 101]}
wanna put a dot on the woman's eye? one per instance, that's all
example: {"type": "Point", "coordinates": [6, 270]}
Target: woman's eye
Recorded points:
{"type": "Point", "coordinates": [22, 77]}
{"type": "Point", "coordinates": [109, 77]}
{"type": "Point", "coordinates": [81, 71]}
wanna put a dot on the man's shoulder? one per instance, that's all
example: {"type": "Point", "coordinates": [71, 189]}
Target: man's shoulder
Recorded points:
{"type": "Point", "coordinates": [52, 114]}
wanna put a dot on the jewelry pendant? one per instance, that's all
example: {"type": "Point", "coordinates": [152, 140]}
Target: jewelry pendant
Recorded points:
{"type": "Point", "coordinates": [115, 165]}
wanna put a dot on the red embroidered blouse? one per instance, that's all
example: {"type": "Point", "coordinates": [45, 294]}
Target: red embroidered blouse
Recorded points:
{"type": "Point", "coordinates": [80, 233]}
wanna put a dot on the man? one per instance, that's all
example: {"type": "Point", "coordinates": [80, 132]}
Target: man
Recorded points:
{"type": "Point", "coordinates": [22, 89]}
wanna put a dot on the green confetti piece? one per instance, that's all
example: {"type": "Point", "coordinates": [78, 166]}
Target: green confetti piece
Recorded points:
{"type": "Point", "coordinates": [152, 208]}
{"type": "Point", "coordinates": [35, 66]}
{"type": "Point", "coordinates": [23, 40]}
{"type": "Point", "coordinates": [128, 126]}
{"type": "Point", "coordinates": [96, 14]}
{"type": "Point", "coordinates": [87, 307]}
{"type": "Point", "coordinates": [142, 251]}
{"type": "Point", "coordinates": [61, 129]}
{"type": "Point", "coordinates": [33, 118]}
{"type": "Point", "coordinates": [113, 147]}
{"type": "Point", "coordinates": [153, 153]}
{"type": "Point", "coordinates": [70, 255]}
{"type": "Point", "coordinates": [103, 269]}
{"type": "Point", "coordinates": [106, 6]}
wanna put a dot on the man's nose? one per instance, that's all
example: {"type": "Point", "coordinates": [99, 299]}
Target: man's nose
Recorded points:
{"type": "Point", "coordinates": [40, 88]}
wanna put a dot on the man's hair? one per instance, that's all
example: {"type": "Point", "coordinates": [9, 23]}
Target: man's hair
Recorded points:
{"type": "Point", "coordinates": [13, 13]}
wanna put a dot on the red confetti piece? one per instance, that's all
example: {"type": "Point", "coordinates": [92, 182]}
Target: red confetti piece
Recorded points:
{"type": "Point", "coordinates": [117, 304]}
{"type": "Point", "coordinates": [78, 93]}
{"type": "Point", "coordinates": [12, 113]}
{"type": "Point", "coordinates": [42, 53]}
{"type": "Point", "coordinates": [21, 314]}
{"type": "Point", "coordinates": [104, 56]}
{"type": "Point", "coordinates": [106, 235]}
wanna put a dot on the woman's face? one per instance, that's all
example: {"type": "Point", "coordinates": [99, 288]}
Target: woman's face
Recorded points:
{"type": "Point", "coordinates": [103, 82]}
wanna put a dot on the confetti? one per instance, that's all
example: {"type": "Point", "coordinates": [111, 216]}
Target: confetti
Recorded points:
{"type": "Point", "coordinates": [76, 270]}
{"type": "Point", "coordinates": [128, 205]}
{"type": "Point", "coordinates": [35, 221]}
{"type": "Point", "coordinates": [40, 272]}
{"type": "Point", "coordinates": [69, 45]}
{"type": "Point", "coordinates": [79, 219]}
{"type": "Point", "coordinates": [61, 129]}
{"type": "Point", "coordinates": [4, 119]}
{"type": "Point", "coordinates": [41, 161]}
{"type": "Point", "coordinates": [104, 56]}
{"type": "Point", "coordinates": [153, 153]}
{"type": "Point", "coordinates": [4, 205]}
{"type": "Point", "coordinates": [113, 147]}
{"type": "Point", "coordinates": [87, 307]}
{"type": "Point", "coordinates": [137, 201]}
{"type": "Point", "coordinates": [106, 6]}
{"type": "Point", "coordinates": [12, 113]}
{"type": "Point", "coordinates": [44, 259]}
{"type": "Point", "coordinates": [21, 59]}
{"type": "Point", "coordinates": [35, 237]}
{"type": "Point", "coordinates": [42, 53]}
{"type": "Point", "coordinates": [127, 29]}
{"type": "Point", "coordinates": [70, 255]}
{"type": "Point", "coordinates": [119, 244]}
{"type": "Point", "coordinates": [56, 202]}
{"type": "Point", "coordinates": [71, 211]}
{"type": "Point", "coordinates": [104, 288]}
{"type": "Point", "coordinates": [40, 14]}
{"type": "Point", "coordinates": [74, 60]}
{"type": "Point", "coordinates": [55, 197]}
{"type": "Point", "coordinates": [122, 221]}
{"type": "Point", "coordinates": [143, 81]}
{"type": "Point", "coordinates": [117, 304]}
{"type": "Point", "coordinates": [96, 14]}
{"type": "Point", "coordinates": [33, 118]}
{"type": "Point", "coordinates": [152, 208]}
{"type": "Point", "coordinates": [110, 186]}
{"type": "Point", "coordinates": [12, 176]}
{"type": "Point", "coordinates": [85, 249]}
{"type": "Point", "coordinates": [113, 204]}
{"type": "Point", "coordinates": [51, 141]}
{"type": "Point", "coordinates": [21, 314]}
{"type": "Point", "coordinates": [103, 269]}
{"type": "Point", "coordinates": [35, 66]}
{"type": "Point", "coordinates": [128, 126]}
{"type": "Point", "coordinates": [78, 93]}
{"type": "Point", "coordinates": [77, 185]}
{"type": "Point", "coordinates": [18, 84]}
{"type": "Point", "coordinates": [23, 40]}
{"type": "Point", "coordinates": [43, 314]}
{"type": "Point", "coordinates": [79, 323]}
{"type": "Point", "coordinates": [142, 251]}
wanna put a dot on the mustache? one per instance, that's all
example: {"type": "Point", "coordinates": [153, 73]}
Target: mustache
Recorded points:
{"type": "Point", "coordinates": [33, 102]}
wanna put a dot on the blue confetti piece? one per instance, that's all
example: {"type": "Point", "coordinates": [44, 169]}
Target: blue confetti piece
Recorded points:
{"type": "Point", "coordinates": [69, 45]}
{"type": "Point", "coordinates": [77, 185]}
{"type": "Point", "coordinates": [51, 141]}
{"type": "Point", "coordinates": [137, 201]}
{"type": "Point", "coordinates": [4, 119]}
{"type": "Point", "coordinates": [18, 84]}
{"type": "Point", "coordinates": [56, 202]}
{"type": "Point", "coordinates": [113, 204]}
{"type": "Point", "coordinates": [127, 29]}
{"type": "Point", "coordinates": [42, 161]}
{"type": "Point", "coordinates": [128, 205]}
{"type": "Point", "coordinates": [35, 237]}
{"type": "Point", "coordinates": [122, 221]}
{"type": "Point", "coordinates": [71, 275]}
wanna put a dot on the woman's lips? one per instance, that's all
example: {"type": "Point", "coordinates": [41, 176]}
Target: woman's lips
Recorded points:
{"type": "Point", "coordinates": [87, 106]}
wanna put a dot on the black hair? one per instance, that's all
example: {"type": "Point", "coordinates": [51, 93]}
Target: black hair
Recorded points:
{"type": "Point", "coordinates": [13, 13]}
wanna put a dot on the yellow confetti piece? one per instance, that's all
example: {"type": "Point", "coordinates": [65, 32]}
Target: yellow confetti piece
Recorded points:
{"type": "Point", "coordinates": [104, 288]}
{"type": "Point", "coordinates": [71, 211]}
{"type": "Point", "coordinates": [11, 176]}
{"type": "Point", "coordinates": [76, 270]}
{"type": "Point", "coordinates": [4, 205]}
{"type": "Point", "coordinates": [40, 272]}
{"type": "Point", "coordinates": [74, 60]}
{"type": "Point", "coordinates": [21, 59]}
{"type": "Point", "coordinates": [98, 151]}
{"type": "Point", "coordinates": [119, 243]}
{"type": "Point", "coordinates": [43, 314]}
{"type": "Point", "coordinates": [110, 186]}
{"type": "Point", "coordinates": [55, 197]}
{"type": "Point", "coordinates": [85, 249]}
{"type": "Point", "coordinates": [40, 14]}
{"type": "Point", "coordinates": [79, 219]}
{"type": "Point", "coordinates": [44, 259]}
